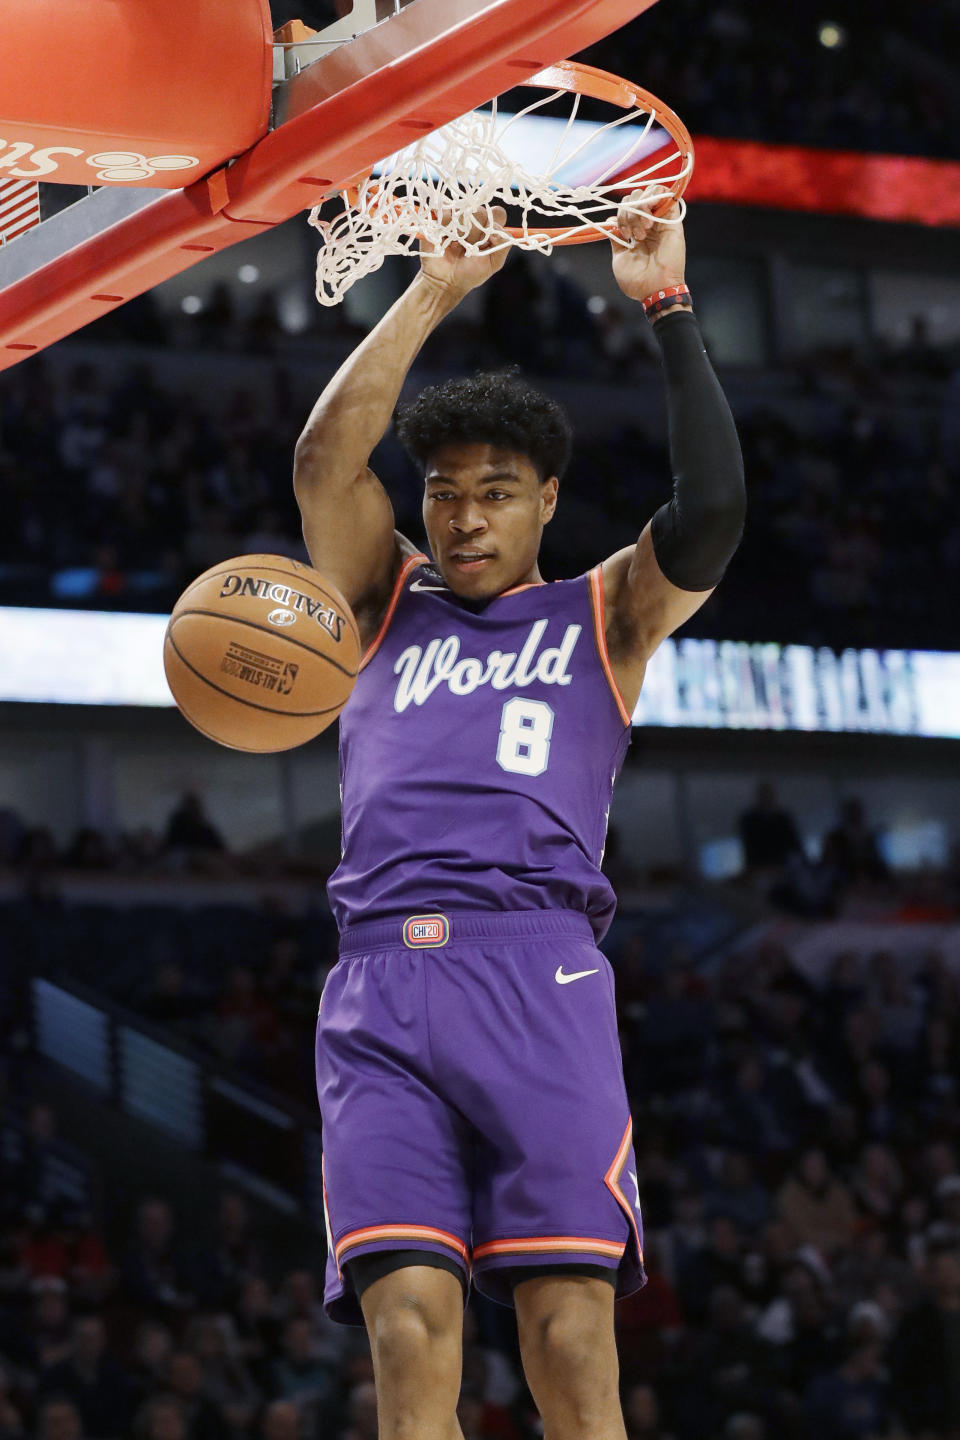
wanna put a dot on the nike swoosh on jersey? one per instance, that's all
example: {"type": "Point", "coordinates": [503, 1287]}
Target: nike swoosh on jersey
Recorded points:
{"type": "Point", "coordinates": [563, 979]}
{"type": "Point", "coordinates": [419, 585]}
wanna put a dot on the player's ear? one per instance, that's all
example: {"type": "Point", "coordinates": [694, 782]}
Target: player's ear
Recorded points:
{"type": "Point", "coordinates": [548, 499]}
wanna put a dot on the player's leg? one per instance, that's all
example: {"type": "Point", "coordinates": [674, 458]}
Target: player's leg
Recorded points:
{"type": "Point", "coordinates": [565, 1323]}
{"type": "Point", "coordinates": [396, 1156]}
{"type": "Point", "coordinates": [397, 1165]}
{"type": "Point", "coordinates": [414, 1318]}
{"type": "Point", "coordinates": [556, 1186]}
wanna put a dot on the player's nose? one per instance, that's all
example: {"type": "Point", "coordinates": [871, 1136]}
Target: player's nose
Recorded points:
{"type": "Point", "coordinates": [467, 518]}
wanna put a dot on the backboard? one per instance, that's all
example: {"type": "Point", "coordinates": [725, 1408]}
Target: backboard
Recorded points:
{"type": "Point", "coordinates": [366, 93]}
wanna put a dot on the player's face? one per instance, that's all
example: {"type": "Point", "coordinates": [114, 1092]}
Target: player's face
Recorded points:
{"type": "Point", "coordinates": [484, 510]}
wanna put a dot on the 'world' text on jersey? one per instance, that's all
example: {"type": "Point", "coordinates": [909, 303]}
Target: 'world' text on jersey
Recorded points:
{"type": "Point", "coordinates": [423, 669]}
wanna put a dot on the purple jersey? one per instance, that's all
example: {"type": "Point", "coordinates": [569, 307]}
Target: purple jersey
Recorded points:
{"type": "Point", "coordinates": [478, 754]}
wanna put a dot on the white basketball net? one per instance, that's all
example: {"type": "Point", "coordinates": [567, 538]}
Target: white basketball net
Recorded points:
{"type": "Point", "coordinates": [442, 189]}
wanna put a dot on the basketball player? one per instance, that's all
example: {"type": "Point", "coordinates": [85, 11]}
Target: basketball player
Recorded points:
{"type": "Point", "coordinates": [475, 1116]}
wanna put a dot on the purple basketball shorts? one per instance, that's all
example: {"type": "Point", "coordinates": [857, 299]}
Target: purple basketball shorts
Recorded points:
{"type": "Point", "coordinates": [473, 1104]}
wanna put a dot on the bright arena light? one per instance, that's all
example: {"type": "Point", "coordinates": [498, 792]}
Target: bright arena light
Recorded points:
{"type": "Point", "coordinates": [831, 35]}
{"type": "Point", "coordinates": [248, 274]}
{"type": "Point", "coordinates": [191, 304]}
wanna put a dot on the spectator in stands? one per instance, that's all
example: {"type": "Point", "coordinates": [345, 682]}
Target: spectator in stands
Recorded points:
{"type": "Point", "coordinates": [935, 1068]}
{"type": "Point", "coordinates": [38, 852]}
{"type": "Point", "coordinates": [718, 1262]}
{"type": "Point", "coordinates": [12, 830]}
{"type": "Point", "coordinates": [744, 1426]}
{"type": "Point", "coordinates": [234, 1257]}
{"type": "Point", "coordinates": [226, 1383]}
{"type": "Point", "coordinates": [88, 850]}
{"type": "Point", "coordinates": [170, 1000]}
{"type": "Point", "coordinates": [281, 1421]}
{"type": "Point", "coordinates": [362, 1412]}
{"type": "Point", "coordinates": [737, 1195]}
{"type": "Point", "coordinates": [300, 1376]}
{"type": "Point", "coordinates": [650, 1323]}
{"type": "Point", "coordinates": [246, 1025]}
{"type": "Point", "coordinates": [155, 1272]}
{"type": "Point", "coordinates": [257, 1329]}
{"type": "Point", "coordinates": [855, 847]}
{"type": "Point", "coordinates": [30, 1178]}
{"type": "Point", "coordinates": [69, 1246]}
{"type": "Point", "coordinates": [926, 1353]}
{"type": "Point", "coordinates": [11, 1420]}
{"type": "Point", "coordinates": [726, 1363]}
{"type": "Point", "coordinates": [185, 1381]}
{"type": "Point", "coordinates": [58, 1419]}
{"type": "Point", "coordinates": [877, 1106]}
{"type": "Point", "coordinates": [149, 1363]}
{"type": "Point", "coordinates": [161, 1418]}
{"type": "Point", "coordinates": [870, 1271]}
{"type": "Point", "coordinates": [768, 832]}
{"type": "Point", "coordinates": [641, 1413]}
{"type": "Point", "coordinates": [92, 1380]}
{"type": "Point", "coordinates": [749, 1118]}
{"type": "Point", "coordinates": [299, 1300]}
{"type": "Point", "coordinates": [44, 1340]}
{"type": "Point", "coordinates": [878, 1183]}
{"type": "Point", "coordinates": [945, 1229]}
{"type": "Point", "coordinates": [817, 1205]}
{"type": "Point", "coordinates": [799, 1328]}
{"type": "Point", "coordinates": [850, 1401]}
{"type": "Point", "coordinates": [141, 851]}
{"type": "Point", "coordinates": [899, 1002]}
{"type": "Point", "coordinates": [190, 830]}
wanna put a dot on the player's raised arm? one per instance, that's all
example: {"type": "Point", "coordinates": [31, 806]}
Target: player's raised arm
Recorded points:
{"type": "Point", "coordinates": [347, 516]}
{"type": "Point", "coordinates": [654, 586]}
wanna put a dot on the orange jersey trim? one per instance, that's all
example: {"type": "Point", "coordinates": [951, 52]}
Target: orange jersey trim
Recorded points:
{"type": "Point", "coordinates": [530, 585]}
{"type": "Point", "coordinates": [600, 635]}
{"type": "Point", "coordinates": [612, 1182]}
{"type": "Point", "coordinates": [326, 1213]}
{"type": "Point", "coordinates": [547, 1244]}
{"type": "Point", "coordinates": [411, 563]}
{"type": "Point", "coordinates": [370, 1233]}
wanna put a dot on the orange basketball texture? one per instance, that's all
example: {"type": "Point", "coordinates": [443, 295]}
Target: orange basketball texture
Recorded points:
{"type": "Point", "coordinates": [261, 653]}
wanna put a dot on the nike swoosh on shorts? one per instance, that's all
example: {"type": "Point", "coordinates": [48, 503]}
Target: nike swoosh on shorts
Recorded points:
{"type": "Point", "coordinates": [563, 979]}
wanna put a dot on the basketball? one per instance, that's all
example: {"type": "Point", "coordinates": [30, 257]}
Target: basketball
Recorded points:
{"type": "Point", "coordinates": [261, 653]}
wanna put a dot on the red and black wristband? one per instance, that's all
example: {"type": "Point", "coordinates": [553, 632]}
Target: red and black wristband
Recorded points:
{"type": "Point", "coordinates": [665, 299]}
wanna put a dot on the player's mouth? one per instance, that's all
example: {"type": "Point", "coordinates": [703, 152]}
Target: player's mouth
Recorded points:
{"type": "Point", "coordinates": [469, 561]}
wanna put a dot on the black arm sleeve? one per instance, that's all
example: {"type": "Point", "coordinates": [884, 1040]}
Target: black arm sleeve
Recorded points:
{"type": "Point", "coordinates": [696, 533]}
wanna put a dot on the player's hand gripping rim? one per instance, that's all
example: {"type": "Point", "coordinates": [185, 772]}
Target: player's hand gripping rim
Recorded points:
{"type": "Point", "coordinates": [655, 256]}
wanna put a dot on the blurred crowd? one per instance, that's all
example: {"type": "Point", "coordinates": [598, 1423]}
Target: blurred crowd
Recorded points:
{"type": "Point", "coordinates": [118, 494]}
{"type": "Point", "coordinates": [798, 1142]}
{"type": "Point", "coordinates": [735, 69]}
{"type": "Point", "coordinates": [731, 68]}
{"type": "Point", "coordinates": [845, 873]}
{"type": "Point", "coordinates": [845, 870]}
{"type": "Point", "coordinates": [188, 841]}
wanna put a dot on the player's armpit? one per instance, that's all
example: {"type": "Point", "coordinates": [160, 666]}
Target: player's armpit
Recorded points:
{"type": "Point", "coordinates": [642, 607]}
{"type": "Point", "coordinates": [349, 532]}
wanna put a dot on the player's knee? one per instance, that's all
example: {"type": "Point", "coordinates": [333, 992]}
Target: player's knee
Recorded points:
{"type": "Point", "coordinates": [570, 1338]}
{"type": "Point", "coordinates": [409, 1332]}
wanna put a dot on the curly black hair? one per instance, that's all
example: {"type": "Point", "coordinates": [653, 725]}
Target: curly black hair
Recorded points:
{"type": "Point", "coordinates": [495, 407]}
